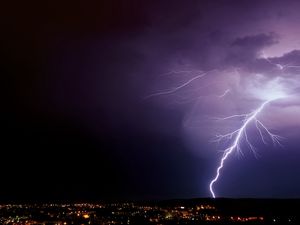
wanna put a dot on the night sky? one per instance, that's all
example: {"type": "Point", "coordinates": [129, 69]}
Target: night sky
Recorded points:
{"type": "Point", "coordinates": [90, 108]}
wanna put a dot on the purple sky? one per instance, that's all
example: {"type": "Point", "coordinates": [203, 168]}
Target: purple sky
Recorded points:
{"type": "Point", "coordinates": [252, 53]}
{"type": "Point", "coordinates": [77, 103]}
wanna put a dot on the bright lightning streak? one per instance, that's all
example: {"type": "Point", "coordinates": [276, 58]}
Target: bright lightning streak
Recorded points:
{"type": "Point", "coordinates": [173, 90]}
{"type": "Point", "coordinates": [241, 133]}
{"type": "Point", "coordinates": [278, 65]}
{"type": "Point", "coordinates": [183, 72]}
{"type": "Point", "coordinates": [224, 94]}
{"type": "Point", "coordinates": [271, 91]}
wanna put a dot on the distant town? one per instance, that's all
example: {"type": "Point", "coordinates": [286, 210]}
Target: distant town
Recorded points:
{"type": "Point", "coordinates": [194, 211]}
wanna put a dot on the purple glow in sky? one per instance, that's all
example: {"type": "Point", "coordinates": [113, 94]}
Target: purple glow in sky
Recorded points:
{"type": "Point", "coordinates": [144, 89]}
{"type": "Point", "coordinates": [260, 88]}
{"type": "Point", "coordinates": [252, 80]}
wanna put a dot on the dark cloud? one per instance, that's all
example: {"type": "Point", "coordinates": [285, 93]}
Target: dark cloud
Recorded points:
{"type": "Point", "coordinates": [244, 51]}
{"type": "Point", "coordinates": [289, 62]}
{"type": "Point", "coordinates": [256, 42]}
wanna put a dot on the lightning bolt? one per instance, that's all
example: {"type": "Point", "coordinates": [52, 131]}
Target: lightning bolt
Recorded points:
{"type": "Point", "coordinates": [240, 134]}
{"type": "Point", "coordinates": [224, 94]}
{"type": "Point", "coordinates": [177, 88]}
{"type": "Point", "coordinates": [278, 65]}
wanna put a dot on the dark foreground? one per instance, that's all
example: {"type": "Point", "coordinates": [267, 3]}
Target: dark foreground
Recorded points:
{"type": "Point", "coordinates": [193, 211]}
